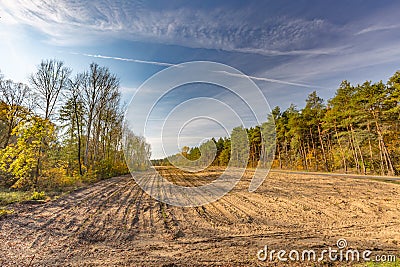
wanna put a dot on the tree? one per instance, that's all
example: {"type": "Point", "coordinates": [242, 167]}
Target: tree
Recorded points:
{"type": "Point", "coordinates": [185, 151]}
{"type": "Point", "coordinates": [393, 99]}
{"type": "Point", "coordinates": [268, 141]}
{"type": "Point", "coordinates": [371, 100]}
{"type": "Point", "coordinates": [34, 137]}
{"type": "Point", "coordinates": [225, 155]}
{"type": "Point", "coordinates": [220, 147]}
{"type": "Point", "coordinates": [194, 153]}
{"type": "Point", "coordinates": [14, 100]}
{"type": "Point", "coordinates": [346, 122]}
{"type": "Point", "coordinates": [392, 116]}
{"type": "Point", "coordinates": [137, 151]}
{"type": "Point", "coordinates": [313, 114]}
{"type": "Point", "coordinates": [100, 90]}
{"type": "Point", "coordinates": [71, 116]}
{"type": "Point", "coordinates": [86, 141]}
{"type": "Point", "coordinates": [254, 136]}
{"type": "Point", "coordinates": [239, 147]}
{"type": "Point", "coordinates": [93, 120]}
{"type": "Point", "coordinates": [50, 79]}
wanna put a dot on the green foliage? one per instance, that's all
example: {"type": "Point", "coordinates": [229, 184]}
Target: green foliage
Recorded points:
{"type": "Point", "coordinates": [225, 154]}
{"type": "Point", "coordinates": [38, 195]}
{"type": "Point", "coordinates": [239, 147]}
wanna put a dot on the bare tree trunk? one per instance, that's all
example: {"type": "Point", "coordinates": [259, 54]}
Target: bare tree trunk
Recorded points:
{"type": "Point", "coordinates": [341, 150]}
{"type": "Point", "coordinates": [78, 127]}
{"type": "Point", "coordinates": [304, 155]}
{"type": "Point", "coordinates": [354, 151]}
{"type": "Point", "coordinates": [384, 149]}
{"type": "Point", "coordinates": [314, 149]}
{"type": "Point", "coordinates": [279, 156]}
{"type": "Point", "coordinates": [88, 133]}
{"type": "Point", "coordinates": [359, 150]}
{"type": "Point", "coordinates": [323, 149]}
{"type": "Point", "coordinates": [370, 148]}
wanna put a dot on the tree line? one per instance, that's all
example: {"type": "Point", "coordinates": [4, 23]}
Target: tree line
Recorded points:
{"type": "Point", "coordinates": [356, 131]}
{"type": "Point", "coordinates": [63, 127]}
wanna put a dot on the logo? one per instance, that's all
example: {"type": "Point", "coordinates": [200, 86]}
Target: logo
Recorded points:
{"type": "Point", "coordinates": [187, 103]}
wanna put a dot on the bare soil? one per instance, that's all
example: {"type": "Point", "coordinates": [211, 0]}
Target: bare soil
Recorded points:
{"type": "Point", "coordinates": [115, 223]}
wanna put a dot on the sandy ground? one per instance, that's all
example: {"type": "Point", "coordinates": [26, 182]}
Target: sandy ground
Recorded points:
{"type": "Point", "coordinates": [114, 223]}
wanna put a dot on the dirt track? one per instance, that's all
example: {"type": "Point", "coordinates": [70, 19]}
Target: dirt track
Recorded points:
{"type": "Point", "coordinates": [114, 223]}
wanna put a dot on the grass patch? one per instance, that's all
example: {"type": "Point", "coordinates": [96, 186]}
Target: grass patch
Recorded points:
{"type": "Point", "coordinates": [382, 264]}
{"type": "Point", "coordinates": [8, 196]}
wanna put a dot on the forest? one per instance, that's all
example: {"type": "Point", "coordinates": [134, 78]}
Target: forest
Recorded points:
{"type": "Point", "coordinates": [64, 130]}
{"type": "Point", "coordinates": [356, 131]}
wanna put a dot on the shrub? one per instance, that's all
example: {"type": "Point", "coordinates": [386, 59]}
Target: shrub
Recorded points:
{"type": "Point", "coordinates": [38, 195]}
{"type": "Point", "coordinates": [57, 178]}
{"type": "Point", "coordinates": [5, 212]}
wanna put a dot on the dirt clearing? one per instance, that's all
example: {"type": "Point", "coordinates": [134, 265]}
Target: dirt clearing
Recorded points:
{"type": "Point", "coordinates": [114, 223]}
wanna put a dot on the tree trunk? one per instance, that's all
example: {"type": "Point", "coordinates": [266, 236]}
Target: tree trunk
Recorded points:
{"type": "Point", "coordinates": [314, 150]}
{"type": "Point", "coordinates": [353, 149]}
{"type": "Point", "coordinates": [370, 148]}
{"type": "Point", "coordinates": [78, 128]}
{"type": "Point", "coordinates": [384, 150]}
{"type": "Point", "coordinates": [341, 150]}
{"type": "Point", "coordinates": [279, 156]}
{"type": "Point", "coordinates": [359, 150]}
{"type": "Point", "coordinates": [323, 149]}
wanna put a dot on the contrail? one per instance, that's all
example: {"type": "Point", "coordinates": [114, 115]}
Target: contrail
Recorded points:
{"type": "Point", "coordinates": [164, 64]}
{"type": "Point", "coordinates": [127, 59]}
{"type": "Point", "coordinates": [270, 80]}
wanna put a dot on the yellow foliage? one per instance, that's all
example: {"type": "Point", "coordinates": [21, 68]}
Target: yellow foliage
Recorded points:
{"type": "Point", "coordinates": [4, 212]}
{"type": "Point", "coordinates": [38, 195]}
{"type": "Point", "coordinates": [21, 159]}
{"type": "Point", "coordinates": [58, 178]}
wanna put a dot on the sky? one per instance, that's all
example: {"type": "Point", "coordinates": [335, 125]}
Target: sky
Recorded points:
{"type": "Point", "coordinates": [287, 48]}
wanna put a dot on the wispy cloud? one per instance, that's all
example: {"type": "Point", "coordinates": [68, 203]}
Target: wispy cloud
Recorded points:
{"type": "Point", "coordinates": [70, 22]}
{"type": "Point", "coordinates": [128, 90]}
{"type": "Point", "coordinates": [375, 28]}
{"type": "Point", "coordinates": [126, 59]}
{"type": "Point", "coordinates": [315, 46]}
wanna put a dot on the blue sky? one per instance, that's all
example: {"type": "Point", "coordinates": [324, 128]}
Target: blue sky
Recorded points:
{"type": "Point", "coordinates": [288, 48]}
